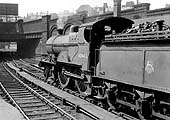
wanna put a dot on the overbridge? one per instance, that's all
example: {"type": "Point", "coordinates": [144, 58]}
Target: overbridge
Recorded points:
{"type": "Point", "coordinates": [29, 36]}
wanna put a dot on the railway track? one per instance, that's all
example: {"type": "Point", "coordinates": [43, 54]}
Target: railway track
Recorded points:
{"type": "Point", "coordinates": [30, 69]}
{"type": "Point", "coordinates": [35, 103]}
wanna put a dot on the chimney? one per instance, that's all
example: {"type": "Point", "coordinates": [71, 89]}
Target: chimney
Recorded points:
{"type": "Point", "coordinates": [105, 6]}
{"type": "Point", "coordinates": [117, 8]}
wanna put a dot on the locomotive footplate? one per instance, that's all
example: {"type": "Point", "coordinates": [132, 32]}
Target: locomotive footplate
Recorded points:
{"type": "Point", "coordinates": [78, 77]}
{"type": "Point", "coordinates": [68, 64]}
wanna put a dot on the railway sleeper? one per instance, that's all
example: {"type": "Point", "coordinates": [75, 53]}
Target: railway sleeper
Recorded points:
{"type": "Point", "coordinates": [21, 94]}
{"type": "Point", "coordinates": [28, 101]}
{"type": "Point", "coordinates": [40, 112]}
{"type": "Point", "coordinates": [46, 117]}
{"type": "Point", "coordinates": [16, 92]}
{"type": "Point", "coordinates": [32, 105]}
{"type": "Point", "coordinates": [36, 108]}
{"type": "Point", "coordinates": [27, 98]}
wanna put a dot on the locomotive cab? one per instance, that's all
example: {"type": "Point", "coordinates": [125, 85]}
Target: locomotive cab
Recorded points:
{"type": "Point", "coordinates": [95, 32]}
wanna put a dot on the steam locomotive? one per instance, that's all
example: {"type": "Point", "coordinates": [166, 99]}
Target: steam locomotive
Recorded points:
{"type": "Point", "coordinates": [112, 60]}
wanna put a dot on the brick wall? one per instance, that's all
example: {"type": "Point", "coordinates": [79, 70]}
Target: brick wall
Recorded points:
{"type": "Point", "coordinates": [140, 13]}
{"type": "Point", "coordinates": [39, 25]}
{"type": "Point", "coordinates": [32, 26]}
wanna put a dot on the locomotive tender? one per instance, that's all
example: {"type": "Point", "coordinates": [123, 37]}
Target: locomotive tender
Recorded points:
{"type": "Point", "coordinates": [109, 60]}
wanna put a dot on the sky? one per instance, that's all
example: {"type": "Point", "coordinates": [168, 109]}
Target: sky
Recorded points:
{"type": "Point", "coordinates": [56, 6]}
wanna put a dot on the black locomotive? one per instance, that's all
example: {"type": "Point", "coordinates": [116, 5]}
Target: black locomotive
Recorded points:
{"type": "Point", "coordinates": [112, 60]}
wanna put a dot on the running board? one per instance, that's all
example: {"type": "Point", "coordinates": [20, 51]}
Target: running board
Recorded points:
{"type": "Point", "coordinates": [73, 75]}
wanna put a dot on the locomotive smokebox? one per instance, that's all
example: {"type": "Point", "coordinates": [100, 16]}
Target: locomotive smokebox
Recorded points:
{"type": "Point", "coordinates": [56, 44]}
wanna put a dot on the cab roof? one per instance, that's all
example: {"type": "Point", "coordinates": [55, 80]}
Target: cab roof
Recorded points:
{"type": "Point", "coordinates": [116, 23]}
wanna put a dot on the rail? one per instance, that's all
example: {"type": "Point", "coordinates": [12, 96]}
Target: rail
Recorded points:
{"type": "Point", "coordinates": [158, 35]}
{"type": "Point", "coordinates": [67, 73]}
{"type": "Point", "coordinates": [13, 101]}
{"type": "Point", "coordinates": [42, 98]}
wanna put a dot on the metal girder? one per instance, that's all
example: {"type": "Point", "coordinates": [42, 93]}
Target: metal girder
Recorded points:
{"type": "Point", "coordinates": [16, 37]}
{"type": "Point", "coordinates": [11, 37]}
